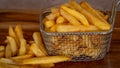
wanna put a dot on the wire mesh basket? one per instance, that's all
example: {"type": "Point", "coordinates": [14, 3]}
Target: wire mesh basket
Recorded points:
{"type": "Point", "coordinates": [81, 46]}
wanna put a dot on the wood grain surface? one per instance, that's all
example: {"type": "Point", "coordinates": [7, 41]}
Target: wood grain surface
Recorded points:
{"type": "Point", "coordinates": [30, 22]}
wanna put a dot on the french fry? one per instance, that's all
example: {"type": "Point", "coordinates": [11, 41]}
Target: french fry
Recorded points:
{"type": "Point", "coordinates": [69, 6]}
{"type": "Point", "coordinates": [22, 57]}
{"type": "Point", "coordinates": [23, 47]}
{"type": "Point", "coordinates": [2, 54]}
{"type": "Point", "coordinates": [46, 60]}
{"type": "Point", "coordinates": [55, 11]}
{"type": "Point", "coordinates": [51, 16]}
{"type": "Point", "coordinates": [8, 52]}
{"type": "Point", "coordinates": [68, 28]}
{"type": "Point", "coordinates": [71, 28]}
{"type": "Point", "coordinates": [91, 28]}
{"type": "Point", "coordinates": [2, 48]}
{"type": "Point", "coordinates": [53, 28]}
{"type": "Point", "coordinates": [8, 61]}
{"type": "Point", "coordinates": [36, 50]}
{"type": "Point", "coordinates": [38, 40]}
{"type": "Point", "coordinates": [19, 32]}
{"type": "Point", "coordinates": [13, 45]}
{"type": "Point", "coordinates": [91, 18]}
{"type": "Point", "coordinates": [49, 23]}
{"type": "Point", "coordinates": [60, 20]}
{"type": "Point", "coordinates": [13, 34]}
{"type": "Point", "coordinates": [76, 14]}
{"type": "Point", "coordinates": [69, 17]}
{"type": "Point", "coordinates": [89, 8]}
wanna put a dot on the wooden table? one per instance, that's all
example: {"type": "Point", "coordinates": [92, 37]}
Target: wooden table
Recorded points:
{"type": "Point", "coordinates": [30, 22]}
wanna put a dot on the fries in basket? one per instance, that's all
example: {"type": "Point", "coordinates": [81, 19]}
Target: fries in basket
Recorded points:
{"type": "Point", "coordinates": [68, 33]}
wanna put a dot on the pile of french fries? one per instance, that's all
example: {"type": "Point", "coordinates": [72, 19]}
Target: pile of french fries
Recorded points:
{"type": "Point", "coordinates": [19, 51]}
{"type": "Point", "coordinates": [75, 17]}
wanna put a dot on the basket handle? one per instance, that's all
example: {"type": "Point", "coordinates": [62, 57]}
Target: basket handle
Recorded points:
{"type": "Point", "coordinates": [114, 10]}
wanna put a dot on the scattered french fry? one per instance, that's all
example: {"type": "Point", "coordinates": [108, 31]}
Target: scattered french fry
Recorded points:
{"type": "Point", "coordinates": [46, 60]}
{"type": "Point", "coordinates": [8, 52]}
{"type": "Point", "coordinates": [23, 47]}
{"type": "Point", "coordinates": [22, 57]}
{"type": "Point", "coordinates": [38, 40]}
{"type": "Point", "coordinates": [13, 45]}
{"type": "Point", "coordinates": [19, 32]}
{"type": "Point", "coordinates": [13, 34]}
{"type": "Point", "coordinates": [8, 61]}
{"type": "Point", "coordinates": [36, 50]}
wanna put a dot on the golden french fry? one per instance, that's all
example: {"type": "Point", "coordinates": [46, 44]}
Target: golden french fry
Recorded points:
{"type": "Point", "coordinates": [68, 5]}
{"type": "Point", "coordinates": [60, 20]}
{"type": "Point", "coordinates": [19, 32]}
{"type": "Point", "coordinates": [8, 52]}
{"type": "Point", "coordinates": [38, 40]}
{"type": "Point", "coordinates": [91, 28]}
{"type": "Point", "coordinates": [53, 28]}
{"type": "Point", "coordinates": [23, 47]}
{"type": "Point", "coordinates": [13, 34]}
{"type": "Point", "coordinates": [68, 28]}
{"type": "Point", "coordinates": [47, 65]}
{"type": "Point", "coordinates": [51, 16]}
{"type": "Point", "coordinates": [34, 48]}
{"type": "Point", "coordinates": [69, 17]}
{"type": "Point", "coordinates": [46, 60]}
{"type": "Point", "coordinates": [22, 57]}
{"type": "Point", "coordinates": [6, 60]}
{"type": "Point", "coordinates": [2, 48]}
{"type": "Point", "coordinates": [55, 11]}
{"type": "Point", "coordinates": [89, 8]}
{"type": "Point", "coordinates": [2, 54]}
{"type": "Point", "coordinates": [71, 28]}
{"type": "Point", "coordinates": [13, 45]}
{"type": "Point", "coordinates": [76, 14]}
{"type": "Point", "coordinates": [49, 23]}
{"type": "Point", "coordinates": [90, 17]}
